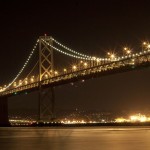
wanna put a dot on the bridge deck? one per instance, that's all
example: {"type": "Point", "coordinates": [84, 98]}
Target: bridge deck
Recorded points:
{"type": "Point", "coordinates": [122, 65]}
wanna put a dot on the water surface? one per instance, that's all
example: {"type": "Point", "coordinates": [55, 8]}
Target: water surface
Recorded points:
{"type": "Point", "coordinates": [85, 138]}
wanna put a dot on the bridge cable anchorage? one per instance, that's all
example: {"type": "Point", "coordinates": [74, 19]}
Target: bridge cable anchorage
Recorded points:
{"type": "Point", "coordinates": [25, 64]}
{"type": "Point", "coordinates": [72, 55]}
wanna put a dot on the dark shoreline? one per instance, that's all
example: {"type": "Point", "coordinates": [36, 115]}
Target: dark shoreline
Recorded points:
{"type": "Point", "coordinates": [92, 124]}
{"type": "Point", "coordinates": [81, 125]}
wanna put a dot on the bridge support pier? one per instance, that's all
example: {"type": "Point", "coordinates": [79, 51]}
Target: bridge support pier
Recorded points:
{"type": "Point", "coordinates": [46, 104]}
{"type": "Point", "coordinates": [4, 112]}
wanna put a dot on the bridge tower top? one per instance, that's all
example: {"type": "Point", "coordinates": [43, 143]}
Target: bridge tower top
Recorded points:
{"type": "Point", "coordinates": [46, 63]}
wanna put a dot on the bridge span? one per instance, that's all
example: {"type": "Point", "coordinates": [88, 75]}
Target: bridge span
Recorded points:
{"type": "Point", "coordinates": [47, 78]}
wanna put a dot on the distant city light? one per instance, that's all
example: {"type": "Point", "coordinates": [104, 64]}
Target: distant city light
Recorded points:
{"type": "Point", "coordinates": [121, 120]}
{"type": "Point", "coordinates": [134, 118]}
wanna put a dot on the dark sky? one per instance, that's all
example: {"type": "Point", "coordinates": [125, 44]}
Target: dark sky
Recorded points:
{"type": "Point", "coordinates": [91, 27]}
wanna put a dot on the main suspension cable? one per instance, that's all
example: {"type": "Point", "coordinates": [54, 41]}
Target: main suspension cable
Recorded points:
{"type": "Point", "coordinates": [25, 64]}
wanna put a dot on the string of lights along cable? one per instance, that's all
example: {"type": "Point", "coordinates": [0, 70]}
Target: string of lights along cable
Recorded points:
{"type": "Point", "coordinates": [84, 65]}
{"type": "Point", "coordinates": [70, 50]}
{"type": "Point", "coordinates": [65, 53]}
{"type": "Point", "coordinates": [83, 56]}
{"type": "Point", "coordinates": [24, 66]}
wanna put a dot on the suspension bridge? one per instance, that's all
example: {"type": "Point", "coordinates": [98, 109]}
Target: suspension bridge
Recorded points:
{"type": "Point", "coordinates": [44, 76]}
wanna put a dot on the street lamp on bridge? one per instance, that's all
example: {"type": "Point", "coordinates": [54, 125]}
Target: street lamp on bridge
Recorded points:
{"type": "Point", "coordinates": [146, 45]}
{"type": "Point", "coordinates": [112, 56]}
{"type": "Point", "coordinates": [127, 51]}
{"type": "Point", "coordinates": [74, 68]}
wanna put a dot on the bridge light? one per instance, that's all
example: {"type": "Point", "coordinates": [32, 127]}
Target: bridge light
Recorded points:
{"type": "Point", "coordinates": [144, 43]}
{"type": "Point", "coordinates": [127, 50]}
{"type": "Point", "coordinates": [65, 70]}
{"type": "Point", "coordinates": [20, 82]}
{"type": "Point", "coordinates": [74, 67]}
{"type": "Point", "coordinates": [14, 84]}
{"type": "Point", "coordinates": [1, 89]}
{"type": "Point", "coordinates": [56, 73]}
{"type": "Point", "coordinates": [15, 93]}
{"type": "Point", "coordinates": [85, 64]}
{"type": "Point", "coordinates": [32, 79]}
{"type": "Point", "coordinates": [51, 71]}
{"type": "Point", "coordinates": [46, 76]}
{"type": "Point", "coordinates": [111, 55]}
{"type": "Point", "coordinates": [98, 60]}
{"type": "Point", "coordinates": [26, 82]}
{"type": "Point", "coordinates": [93, 58]}
{"type": "Point", "coordinates": [148, 46]}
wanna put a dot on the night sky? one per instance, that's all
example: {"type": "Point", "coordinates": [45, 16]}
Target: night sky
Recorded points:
{"type": "Point", "coordinates": [87, 26]}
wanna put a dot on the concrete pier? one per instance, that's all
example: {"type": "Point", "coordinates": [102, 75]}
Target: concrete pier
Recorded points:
{"type": "Point", "coordinates": [4, 121]}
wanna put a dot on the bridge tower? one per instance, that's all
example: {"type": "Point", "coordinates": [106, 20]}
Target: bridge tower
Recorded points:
{"type": "Point", "coordinates": [46, 67]}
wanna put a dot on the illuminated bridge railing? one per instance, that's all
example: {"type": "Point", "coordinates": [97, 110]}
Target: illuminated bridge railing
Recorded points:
{"type": "Point", "coordinates": [121, 65]}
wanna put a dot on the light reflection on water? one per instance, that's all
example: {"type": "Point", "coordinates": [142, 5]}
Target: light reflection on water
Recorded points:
{"type": "Point", "coordinates": [86, 138]}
